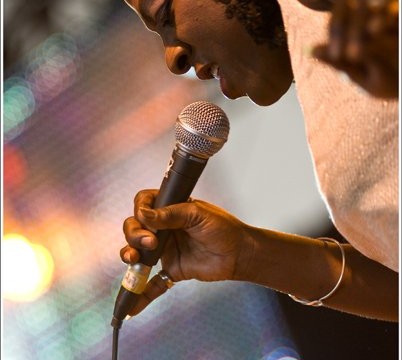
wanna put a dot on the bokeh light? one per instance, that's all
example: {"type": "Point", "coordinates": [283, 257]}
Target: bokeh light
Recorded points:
{"type": "Point", "coordinates": [94, 116]}
{"type": "Point", "coordinates": [19, 104]}
{"type": "Point", "coordinates": [88, 327]}
{"type": "Point", "coordinates": [283, 353]}
{"type": "Point", "coordinates": [39, 317]}
{"type": "Point", "coordinates": [27, 268]}
{"type": "Point", "coordinates": [53, 66]}
{"type": "Point", "coordinates": [15, 167]}
{"type": "Point", "coordinates": [89, 121]}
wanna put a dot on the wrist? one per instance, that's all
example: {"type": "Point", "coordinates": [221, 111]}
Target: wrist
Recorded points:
{"type": "Point", "coordinates": [244, 269]}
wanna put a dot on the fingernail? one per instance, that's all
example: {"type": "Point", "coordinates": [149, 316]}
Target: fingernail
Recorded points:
{"type": "Point", "coordinates": [127, 257]}
{"type": "Point", "coordinates": [148, 213]}
{"type": "Point", "coordinates": [128, 317]}
{"type": "Point", "coordinates": [147, 241]}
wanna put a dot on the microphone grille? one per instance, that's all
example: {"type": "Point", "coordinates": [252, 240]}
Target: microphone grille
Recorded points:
{"type": "Point", "coordinates": [202, 128]}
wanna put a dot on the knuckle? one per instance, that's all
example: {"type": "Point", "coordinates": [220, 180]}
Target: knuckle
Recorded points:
{"type": "Point", "coordinates": [138, 196]}
{"type": "Point", "coordinates": [167, 212]}
{"type": "Point", "coordinates": [128, 224]}
{"type": "Point", "coordinates": [193, 214]}
{"type": "Point", "coordinates": [141, 196]}
{"type": "Point", "coordinates": [193, 209]}
{"type": "Point", "coordinates": [144, 198]}
{"type": "Point", "coordinates": [132, 240]}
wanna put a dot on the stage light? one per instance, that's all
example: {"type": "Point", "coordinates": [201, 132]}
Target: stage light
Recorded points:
{"type": "Point", "coordinates": [15, 167]}
{"type": "Point", "coordinates": [53, 67]}
{"type": "Point", "coordinates": [88, 327]}
{"type": "Point", "coordinates": [27, 268]}
{"type": "Point", "coordinates": [19, 104]}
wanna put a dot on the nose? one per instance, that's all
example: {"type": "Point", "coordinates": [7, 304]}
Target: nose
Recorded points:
{"type": "Point", "coordinates": [178, 59]}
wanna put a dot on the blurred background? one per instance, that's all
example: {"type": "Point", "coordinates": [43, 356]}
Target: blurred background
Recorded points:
{"type": "Point", "coordinates": [88, 113]}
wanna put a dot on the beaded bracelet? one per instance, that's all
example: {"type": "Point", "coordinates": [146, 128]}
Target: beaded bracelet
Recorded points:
{"type": "Point", "coordinates": [319, 302]}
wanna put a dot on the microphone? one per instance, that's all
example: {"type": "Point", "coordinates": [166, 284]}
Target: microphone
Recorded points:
{"type": "Point", "coordinates": [201, 129]}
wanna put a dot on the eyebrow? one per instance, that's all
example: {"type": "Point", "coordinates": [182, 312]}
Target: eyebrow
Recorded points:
{"type": "Point", "coordinates": [144, 10]}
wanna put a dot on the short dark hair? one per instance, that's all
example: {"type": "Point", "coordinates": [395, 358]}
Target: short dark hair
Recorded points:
{"type": "Point", "coordinates": [261, 18]}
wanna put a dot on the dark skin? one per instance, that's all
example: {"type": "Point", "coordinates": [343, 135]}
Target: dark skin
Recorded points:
{"type": "Point", "coordinates": [209, 244]}
{"type": "Point", "coordinates": [363, 43]}
{"type": "Point", "coordinates": [319, 5]}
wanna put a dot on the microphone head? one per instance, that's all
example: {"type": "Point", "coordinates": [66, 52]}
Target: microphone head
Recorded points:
{"type": "Point", "coordinates": [201, 129]}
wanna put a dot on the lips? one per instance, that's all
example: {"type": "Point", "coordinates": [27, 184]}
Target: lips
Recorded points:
{"type": "Point", "coordinates": [206, 72]}
{"type": "Point", "coordinates": [215, 71]}
{"type": "Point", "coordinates": [227, 89]}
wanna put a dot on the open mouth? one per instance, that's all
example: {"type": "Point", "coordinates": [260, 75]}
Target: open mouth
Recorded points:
{"type": "Point", "coordinates": [215, 71]}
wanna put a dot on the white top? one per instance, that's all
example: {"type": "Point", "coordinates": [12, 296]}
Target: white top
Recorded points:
{"type": "Point", "coordinates": [353, 139]}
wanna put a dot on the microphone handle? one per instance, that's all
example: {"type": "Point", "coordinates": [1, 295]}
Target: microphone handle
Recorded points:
{"type": "Point", "coordinates": [181, 176]}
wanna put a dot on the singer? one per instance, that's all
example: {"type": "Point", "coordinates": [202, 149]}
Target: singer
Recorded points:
{"type": "Point", "coordinates": [255, 49]}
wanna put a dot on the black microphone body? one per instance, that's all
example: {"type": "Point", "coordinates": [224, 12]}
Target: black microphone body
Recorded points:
{"type": "Point", "coordinates": [180, 179]}
{"type": "Point", "coordinates": [184, 169]}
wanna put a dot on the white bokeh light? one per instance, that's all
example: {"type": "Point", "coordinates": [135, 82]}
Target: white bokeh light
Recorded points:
{"type": "Point", "coordinates": [27, 269]}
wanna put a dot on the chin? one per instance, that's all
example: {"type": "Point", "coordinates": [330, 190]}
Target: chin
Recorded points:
{"type": "Point", "coordinates": [270, 98]}
{"type": "Point", "coordinates": [265, 101]}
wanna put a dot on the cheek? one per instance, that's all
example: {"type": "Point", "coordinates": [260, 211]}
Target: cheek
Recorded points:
{"type": "Point", "coordinates": [201, 22]}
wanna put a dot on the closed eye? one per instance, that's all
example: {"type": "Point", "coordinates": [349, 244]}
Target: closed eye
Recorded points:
{"type": "Point", "coordinates": [164, 16]}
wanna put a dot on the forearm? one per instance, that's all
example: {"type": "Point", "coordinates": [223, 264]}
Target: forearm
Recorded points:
{"type": "Point", "coordinates": [309, 269]}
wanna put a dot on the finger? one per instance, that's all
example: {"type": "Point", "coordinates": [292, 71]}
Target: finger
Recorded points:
{"type": "Point", "coordinates": [144, 198]}
{"type": "Point", "coordinates": [356, 37]}
{"type": "Point", "coordinates": [338, 29]}
{"type": "Point", "coordinates": [354, 71]}
{"type": "Point", "coordinates": [138, 237]}
{"type": "Point", "coordinates": [392, 16]}
{"type": "Point", "coordinates": [371, 78]}
{"type": "Point", "coordinates": [381, 81]}
{"type": "Point", "coordinates": [129, 255]}
{"type": "Point", "coordinates": [385, 51]}
{"type": "Point", "coordinates": [130, 224]}
{"type": "Point", "coordinates": [321, 53]}
{"type": "Point", "coordinates": [377, 73]}
{"type": "Point", "coordinates": [178, 216]}
{"type": "Point", "coordinates": [383, 16]}
{"type": "Point", "coordinates": [154, 288]}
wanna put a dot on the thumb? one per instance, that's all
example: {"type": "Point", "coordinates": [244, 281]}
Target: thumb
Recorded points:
{"type": "Point", "coordinates": [154, 288]}
{"type": "Point", "coordinates": [178, 216]}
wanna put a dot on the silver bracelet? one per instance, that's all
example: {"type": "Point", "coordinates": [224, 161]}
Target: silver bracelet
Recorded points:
{"type": "Point", "coordinates": [319, 302]}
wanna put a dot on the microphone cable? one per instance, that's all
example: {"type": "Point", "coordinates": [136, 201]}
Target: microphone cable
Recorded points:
{"type": "Point", "coordinates": [115, 344]}
{"type": "Point", "coordinates": [201, 129]}
{"type": "Point", "coordinates": [115, 347]}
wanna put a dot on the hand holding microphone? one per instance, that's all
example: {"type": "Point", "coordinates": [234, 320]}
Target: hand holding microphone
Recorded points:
{"type": "Point", "coordinates": [195, 240]}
